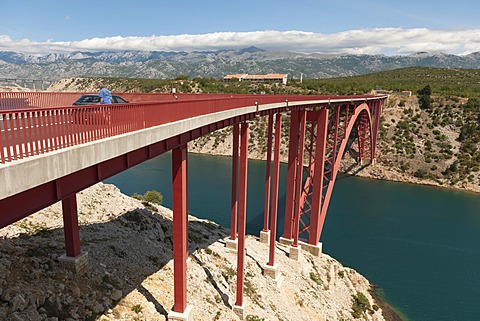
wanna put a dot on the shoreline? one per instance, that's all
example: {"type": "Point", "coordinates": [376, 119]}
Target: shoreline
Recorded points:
{"type": "Point", "coordinates": [388, 311]}
{"type": "Point", "coordinates": [420, 183]}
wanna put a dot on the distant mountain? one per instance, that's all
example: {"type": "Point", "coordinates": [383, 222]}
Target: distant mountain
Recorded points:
{"type": "Point", "coordinates": [216, 64]}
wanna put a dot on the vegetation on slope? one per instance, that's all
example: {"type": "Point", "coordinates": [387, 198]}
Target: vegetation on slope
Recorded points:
{"type": "Point", "coordinates": [443, 82]}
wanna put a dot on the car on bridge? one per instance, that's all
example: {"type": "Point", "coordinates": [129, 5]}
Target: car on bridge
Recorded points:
{"type": "Point", "coordinates": [94, 115]}
{"type": "Point", "coordinates": [93, 99]}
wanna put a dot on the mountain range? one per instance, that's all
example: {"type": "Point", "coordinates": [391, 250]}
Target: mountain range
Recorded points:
{"type": "Point", "coordinates": [215, 64]}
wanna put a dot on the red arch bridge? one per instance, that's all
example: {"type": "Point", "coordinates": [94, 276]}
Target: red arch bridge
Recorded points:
{"type": "Point", "coordinates": [50, 152]}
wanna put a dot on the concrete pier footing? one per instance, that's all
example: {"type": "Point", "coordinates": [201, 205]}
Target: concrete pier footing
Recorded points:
{"type": "Point", "coordinates": [295, 253]}
{"type": "Point", "coordinates": [187, 315]}
{"type": "Point", "coordinates": [285, 241]}
{"type": "Point", "coordinates": [315, 250]}
{"type": "Point", "coordinates": [77, 264]}
{"type": "Point", "coordinates": [232, 244]}
{"type": "Point", "coordinates": [265, 237]}
{"type": "Point", "coordinates": [271, 271]}
{"type": "Point", "coordinates": [239, 310]}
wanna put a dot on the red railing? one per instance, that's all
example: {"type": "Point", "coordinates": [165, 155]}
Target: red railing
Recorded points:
{"type": "Point", "coordinates": [22, 100]}
{"type": "Point", "coordinates": [34, 131]}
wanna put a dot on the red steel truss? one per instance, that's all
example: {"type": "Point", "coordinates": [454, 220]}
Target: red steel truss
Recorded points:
{"type": "Point", "coordinates": [328, 131]}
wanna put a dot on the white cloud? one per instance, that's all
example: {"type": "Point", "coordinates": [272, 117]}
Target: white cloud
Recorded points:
{"type": "Point", "coordinates": [364, 41]}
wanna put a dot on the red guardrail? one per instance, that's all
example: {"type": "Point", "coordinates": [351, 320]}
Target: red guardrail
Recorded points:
{"type": "Point", "coordinates": [34, 131]}
{"type": "Point", "coordinates": [22, 100]}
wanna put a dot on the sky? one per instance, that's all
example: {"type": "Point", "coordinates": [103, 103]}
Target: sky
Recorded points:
{"type": "Point", "coordinates": [389, 27]}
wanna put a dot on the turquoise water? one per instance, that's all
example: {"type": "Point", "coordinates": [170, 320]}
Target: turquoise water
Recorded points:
{"type": "Point", "coordinates": [420, 245]}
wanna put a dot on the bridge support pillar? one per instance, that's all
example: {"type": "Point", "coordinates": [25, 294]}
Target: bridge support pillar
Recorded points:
{"type": "Point", "coordinates": [180, 310]}
{"type": "Point", "coordinates": [291, 175]}
{"type": "Point", "coordinates": [70, 226]}
{"type": "Point", "coordinates": [234, 206]}
{"type": "Point", "coordinates": [242, 212]}
{"type": "Point", "coordinates": [73, 259]}
{"type": "Point", "coordinates": [274, 213]}
{"type": "Point", "coordinates": [268, 177]}
{"type": "Point", "coordinates": [298, 208]}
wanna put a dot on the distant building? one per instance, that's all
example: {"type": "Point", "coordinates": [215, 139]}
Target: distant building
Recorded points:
{"type": "Point", "coordinates": [236, 77]}
{"type": "Point", "coordinates": [267, 78]}
{"type": "Point", "coordinates": [407, 93]}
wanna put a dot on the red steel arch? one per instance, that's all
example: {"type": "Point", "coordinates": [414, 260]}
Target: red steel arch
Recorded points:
{"type": "Point", "coordinates": [327, 138]}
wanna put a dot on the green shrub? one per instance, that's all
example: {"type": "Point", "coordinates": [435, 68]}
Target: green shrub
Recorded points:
{"type": "Point", "coordinates": [153, 197]}
{"type": "Point", "coordinates": [360, 304]}
{"type": "Point", "coordinates": [315, 277]}
{"type": "Point", "coordinates": [137, 308]}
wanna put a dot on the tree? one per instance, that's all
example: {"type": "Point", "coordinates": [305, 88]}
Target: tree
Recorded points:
{"type": "Point", "coordinates": [424, 99]}
{"type": "Point", "coordinates": [425, 91]}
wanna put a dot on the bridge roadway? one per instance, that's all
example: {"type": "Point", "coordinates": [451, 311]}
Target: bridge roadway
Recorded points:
{"type": "Point", "coordinates": [48, 154]}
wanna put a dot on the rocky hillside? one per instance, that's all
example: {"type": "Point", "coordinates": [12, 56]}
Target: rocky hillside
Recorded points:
{"type": "Point", "coordinates": [130, 273]}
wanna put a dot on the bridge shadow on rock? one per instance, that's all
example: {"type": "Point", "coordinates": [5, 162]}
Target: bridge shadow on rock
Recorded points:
{"type": "Point", "coordinates": [130, 272]}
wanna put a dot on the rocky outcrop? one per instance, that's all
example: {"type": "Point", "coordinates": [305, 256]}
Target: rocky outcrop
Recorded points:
{"type": "Point", "coordinates": [130, 273]}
